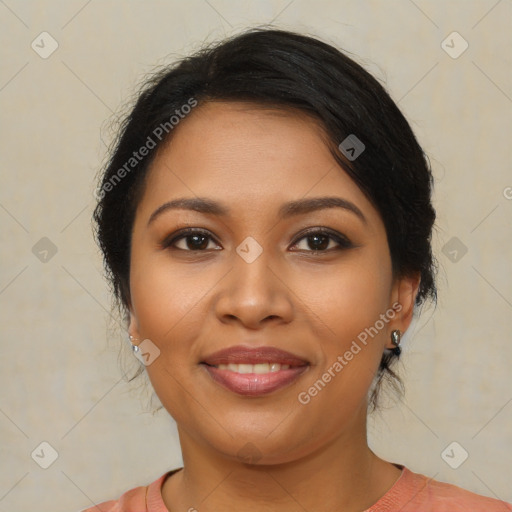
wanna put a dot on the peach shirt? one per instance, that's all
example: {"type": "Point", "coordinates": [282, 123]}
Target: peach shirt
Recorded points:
{"type": "Point", "coordinates": [412, 492]}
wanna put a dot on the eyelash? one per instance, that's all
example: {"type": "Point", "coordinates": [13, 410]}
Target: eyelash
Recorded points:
{"type": "Point", "coordinates": [341, 240]}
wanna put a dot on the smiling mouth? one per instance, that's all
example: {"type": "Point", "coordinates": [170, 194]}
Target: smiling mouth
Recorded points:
{"type": "Point", "coordinates": [254, 380]}
{"type": "Point", "coordinates": [253, 371]}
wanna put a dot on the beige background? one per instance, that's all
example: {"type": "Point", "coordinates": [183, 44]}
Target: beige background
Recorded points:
{"type": "Point", "coordinates": [59, 371]}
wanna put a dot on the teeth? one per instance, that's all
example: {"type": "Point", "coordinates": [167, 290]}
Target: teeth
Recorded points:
{"type": "Point", "coordinates": [254, 368]}
{"type": "Point", "coordinates": [244, 368]}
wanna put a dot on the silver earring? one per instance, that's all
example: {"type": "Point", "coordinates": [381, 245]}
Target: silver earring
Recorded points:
{"type": "Point", "coordinates": [395, 337]}
{"type": "Point", "coordinates": [135, 348]}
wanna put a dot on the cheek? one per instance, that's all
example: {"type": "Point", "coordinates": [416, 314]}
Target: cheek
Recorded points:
{"type": "Point", "coordinates": [167, 300]}
{"type": "Point", "coordinates": [164, 295]}
{"type": "Point", "coordinates": [346, 305]}
{"type": "Point", "coordinates": [347, 298]}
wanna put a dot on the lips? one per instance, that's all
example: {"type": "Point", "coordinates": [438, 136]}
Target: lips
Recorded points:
{"type": "Point", "coordinates": [248, 355]}
{"type": "Point", "coordinates": [254, 371]}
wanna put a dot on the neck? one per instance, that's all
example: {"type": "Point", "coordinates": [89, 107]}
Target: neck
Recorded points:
{"type": "Point", "coordinates": [343, 474]}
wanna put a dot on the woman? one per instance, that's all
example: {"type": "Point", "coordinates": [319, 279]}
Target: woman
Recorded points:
{"type": "Point", "coordinates": [266, 220]}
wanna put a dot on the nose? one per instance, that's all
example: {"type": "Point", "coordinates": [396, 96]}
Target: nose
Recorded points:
{"type": "Point", "coordinates": [253, 294]}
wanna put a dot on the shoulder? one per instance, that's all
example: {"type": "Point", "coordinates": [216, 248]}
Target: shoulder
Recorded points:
{"type": "Point", "coordinates": [136, 499]}
{"type": "Point", "coordinates": [453, 498]}
{"type": "Point", "coordinates": [131, 500]}
{"type": "Point", "coordinates": [414, 492]}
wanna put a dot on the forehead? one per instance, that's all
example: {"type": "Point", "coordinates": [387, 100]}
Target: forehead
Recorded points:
{"type": "Point", "coordinates": [248, 156]}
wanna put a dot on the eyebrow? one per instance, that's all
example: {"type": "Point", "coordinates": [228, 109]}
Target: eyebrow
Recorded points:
{"type": "Point", "coordinates": [287, 210]}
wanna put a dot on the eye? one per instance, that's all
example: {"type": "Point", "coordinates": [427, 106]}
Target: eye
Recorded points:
{"type": "Point", "coordinates": [319, 240]}
{"type": "Point", "coordinates": [194, 240]}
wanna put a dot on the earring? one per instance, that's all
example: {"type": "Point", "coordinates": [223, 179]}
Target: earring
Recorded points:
{"type": "Point", "coordinates": [135, 348]}
{"type": "Point", "coordinates": [395, 339]}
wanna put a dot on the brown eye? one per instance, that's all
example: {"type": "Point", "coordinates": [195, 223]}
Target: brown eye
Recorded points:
{"type": "Point", "coordinates": [194, 240]}
{"type": "Point", "coordinates": [321, 241]}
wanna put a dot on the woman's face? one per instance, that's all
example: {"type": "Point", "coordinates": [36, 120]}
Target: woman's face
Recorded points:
{"type": "Point", "coordinates": [261, 275]}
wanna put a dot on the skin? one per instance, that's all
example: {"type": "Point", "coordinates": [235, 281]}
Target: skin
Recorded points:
{"type": "Point", "coordinates": [191, 304]}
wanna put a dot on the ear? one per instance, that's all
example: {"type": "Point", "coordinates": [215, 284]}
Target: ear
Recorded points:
{"type": "Point", "coordinates": [403, 297]}
{"type": "Point", "coordinates": [133, 327]}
